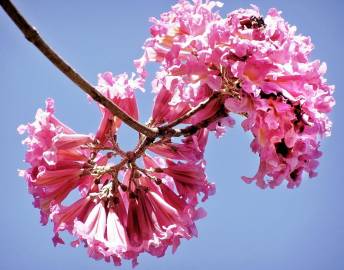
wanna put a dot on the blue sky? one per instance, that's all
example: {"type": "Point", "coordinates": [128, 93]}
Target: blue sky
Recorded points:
{"type": "Point", "coordinates": [246, 228]}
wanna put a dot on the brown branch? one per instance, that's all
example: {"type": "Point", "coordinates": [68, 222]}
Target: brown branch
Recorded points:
{"type": "Point", "coordinates": [190, 130]}
{"type": "Point", "coordinates": [190, 113]}
{"type": "Point", "coordinates": [32, 35]}
{"type": "Point", "coordinates": [141, 148]}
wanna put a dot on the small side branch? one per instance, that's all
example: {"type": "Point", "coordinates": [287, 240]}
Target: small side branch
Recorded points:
{"type": "Point", "coordinates": [191, 112]}
{"type": "Point", "coordinates": [190, 130]}
{"type": "Point", "coordinates": [32, 35]}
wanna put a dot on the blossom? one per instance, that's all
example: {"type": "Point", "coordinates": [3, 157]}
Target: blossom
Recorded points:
{"type": "Point", "coordinates": [119, 89]}
{"type": "Point", "coordinates": [191, 148]}
{"type": "Point", "coordinates": [261, 69]}
{"type": "Point", "coordinates": [56, 159]}
{"type": "Point", "coordinates": [115, 219]}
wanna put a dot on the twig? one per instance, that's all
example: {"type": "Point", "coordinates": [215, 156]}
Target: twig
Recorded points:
{"type": "Point", "coordinates": [32, 35]}
{"type": "Point", "coordinates": [190, 113]}
{"type": "Point", "coordinates": [190, 130]}
{"type": "Point", "coordinates": [139, 151]}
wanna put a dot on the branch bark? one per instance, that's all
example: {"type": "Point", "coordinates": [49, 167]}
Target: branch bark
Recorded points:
{"type": "Point", "coordinates": [32, 35]}
{"type": "Point", "coordinates": [190, 130]}
{"type": "Point", "coordinates": [190, 113]}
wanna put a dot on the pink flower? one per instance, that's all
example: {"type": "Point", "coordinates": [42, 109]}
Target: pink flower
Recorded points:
{"type": "Point", "coordinates": [188, 178]}
{"type": "Point", "coordinates": [56, 159]}
{"type": "Point", "coordinates": [64, 217]}
{"type": "Point", "coordinates": [287, 143]}
{"type": "Point", "coordinates": [154, 224]}
{"type": "Point", "coordinates": [115, 233]}
{"type": "Point", "coordinates": [67, 141]}
{"type": "Point", "coordinates": [52, 187]}
{"type": "Point", "coordinates": [191, 149]}
{"type": "Point", "coordinates": [92, 231]}
{"type": "Point", "coordinates": [167, 104]}
{"type": "Point", "coordinates": [41, 132]}
{"type": "Point", "coordinates": [120, 89]}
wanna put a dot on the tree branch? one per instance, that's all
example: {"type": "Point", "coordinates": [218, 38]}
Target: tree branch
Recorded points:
{"type": "Point", "coordinates": [190, 130]}
{"type": "Point", "coordinates": [190, 113]}
{"type": "Point", "coordinates": [32, 35]}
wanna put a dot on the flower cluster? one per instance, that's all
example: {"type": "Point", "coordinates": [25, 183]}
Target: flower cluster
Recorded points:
{"type": "Point", "coordinates": [210, 68]}
{"type": "Point", "coordinates": [123, 209]}
{"type": "Point", "coordinates": [258, 67]}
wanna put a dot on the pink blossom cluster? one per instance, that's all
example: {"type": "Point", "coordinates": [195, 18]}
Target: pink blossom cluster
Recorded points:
{"type": "Point", "coordinates": [210, 68]}
{"type": "Point", "coordinates": [123, 210]}
{"type": "Point", "coordinates": [261, 68]}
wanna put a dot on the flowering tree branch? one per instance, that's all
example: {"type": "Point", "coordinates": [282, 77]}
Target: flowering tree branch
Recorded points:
{"type": "Point", "coordinates": [210, 68]}
{"type": "Point", "coordinates": [32, 35]}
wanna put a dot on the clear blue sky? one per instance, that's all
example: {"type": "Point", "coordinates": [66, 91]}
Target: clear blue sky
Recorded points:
{"type": "Point", "coordinates": [246, 228]}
